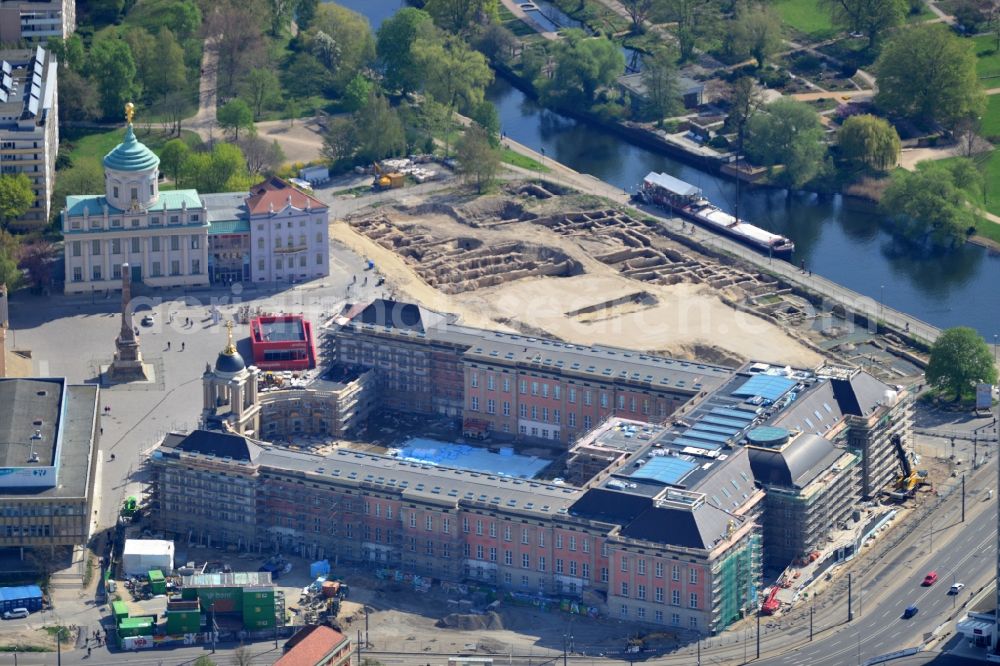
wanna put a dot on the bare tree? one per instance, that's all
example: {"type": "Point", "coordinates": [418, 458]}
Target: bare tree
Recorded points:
{"type": "Point", "coordinates": [242, 656]}
{"type": "Point", "coordinates": [262, 156]}
{"type": "Point", "coordinates": [969, 141]}
{"type": "Point", "coordinates": [638, 11]}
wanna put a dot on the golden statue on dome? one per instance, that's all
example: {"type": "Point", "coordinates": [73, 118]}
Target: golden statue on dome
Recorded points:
{"type": "Point", "coordinates": [129, 112]}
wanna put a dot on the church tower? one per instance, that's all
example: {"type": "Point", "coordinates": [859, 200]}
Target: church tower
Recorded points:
{"type": "Point", "coordinates": [230, 399]}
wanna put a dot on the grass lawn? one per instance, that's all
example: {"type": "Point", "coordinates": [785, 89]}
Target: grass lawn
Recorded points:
{"type": "Point", "coordinates": [991, 120]}
{"type": "Point", "coordinates": [92, 145]}
{"type": "Point", "coordinates": [807, 17]}
{"type": "Point", "coordinates": [988, 59]}
{"type": "Point", "coordinates": [924, 14]}
{"type": "Point", "coordinates": [508, 156]}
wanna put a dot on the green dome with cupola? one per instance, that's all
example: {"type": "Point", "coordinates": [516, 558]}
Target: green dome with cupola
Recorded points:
{"type": "Point", "coordinates": [131, 154]}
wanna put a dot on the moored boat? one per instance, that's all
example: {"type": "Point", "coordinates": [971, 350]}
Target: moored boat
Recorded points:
{"type": "Point", "coordinates": [685, 199]}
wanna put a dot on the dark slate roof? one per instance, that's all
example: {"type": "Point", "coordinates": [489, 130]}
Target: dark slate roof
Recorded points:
{"type": "Point", "coordinates": [610, 506]}
{"type": "Point", "coordinates": [861, 394]}
{"type": "Point", "coordinates": [229, 363]}
{"type": "Point", "coordinates": [218, 444]}
{"type": "Point", "coordinates": [663, 525]}
{"type": "Point", "coordinates": [797, 464]}
{"type": "Point", "coordinates": [393, 314]}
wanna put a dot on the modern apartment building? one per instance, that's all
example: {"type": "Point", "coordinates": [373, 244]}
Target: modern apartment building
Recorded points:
{"type": "Point", "coordinates": [31, 20]}
{"type": "Point", "coordinates": [29, 126]}
{"type": "Point", "coordinates": [49, 442]}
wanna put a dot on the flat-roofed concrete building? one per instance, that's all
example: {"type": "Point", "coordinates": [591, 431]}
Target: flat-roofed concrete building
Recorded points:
{"type": "Point", "coordinates": [31, 20]}
{"type": "Point", "coordinates": [48, 455]}
{"type": "Point", "coordinates": [29, 126]}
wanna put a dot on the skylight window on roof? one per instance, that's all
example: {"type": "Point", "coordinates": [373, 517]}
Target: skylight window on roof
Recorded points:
{"type": "Point", "coordinates": [809, 423]}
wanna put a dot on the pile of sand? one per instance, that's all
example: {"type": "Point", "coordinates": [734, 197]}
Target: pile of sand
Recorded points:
{"type": "Point", "coordinates": [488, 621]}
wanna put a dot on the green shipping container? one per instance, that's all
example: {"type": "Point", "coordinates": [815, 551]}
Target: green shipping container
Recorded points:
{"type": "Point", "coordinates": [135, 626]}
{"type": "Point", "coordinates": [183, 622]}
{"type": "Point", "coordinates": [157, 583]}
{"type": "Point", "coordinates": [258, 609]}
{"type": "Point", "coordinates": [120, 610]}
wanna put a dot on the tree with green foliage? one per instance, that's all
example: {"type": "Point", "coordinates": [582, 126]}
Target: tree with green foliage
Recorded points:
{"type": "Point", "coordinates": [306, 76]}
{"type": "Point", "coordinates": [340, 143]}
{"type": "Point", "coordinates": [305, 12]}
{"type": "Point", "coordinates": [872, 18]}
{"type": "Point", "coordinates": [261, 89]}
{"type": "Point", "coordinates": [870, 141]}
{"type": "Point", "coordinates": [960, 359]}
{"type": "Point", "coordinates": [395, 40]}
{"type": "Point", "coordinates": [204, 661]}
{"type": "Point", "coordinates": [928, 74]}
{"type": "Point", "coordinates": [263, 157]}
{"type": "Point", "coordinates": [787, 132]}
{"type": "Point", "coordinates": [357, 93]}
{"type": "Point", "coordinates": [326, 50]}
{"type": "Point", "coordinates": [754, 31]}
{"type": "Point", "coordinates": [101, 12]}
{"type": "Point", "coordinates": [496, 42]}
{"type": "Point", "coordinates": [235, 115]}
{"type": "Point", "coordinates": [223, 169]}
{"type": "Point", "coordinates": [169, 75]}
{"type": "Point", "coordinates": [351, 33]}
{"type": "Point", "coordinates": [380, 132]}
{"type": "Point", "coordinates": [68, 52]}
{"type": "Point", "coordinates": [86, 102]}
{"type": "Point", "coordinates": [453, 74]}
{"type": "Point", "coordinates": [234, 31]}
{"type": "Point", "coordinates": [478, 159]}
{"type": "Point", "coordinates": [112, 68]}
{"type": "Point", "coordinates": [928, 207]}
{"type": "Point", "coordinates": [461, 16]}
{"type": "Point", "coordinates": [638, 11]}
{"type": "Point", "coordinates": [659, 75]}
{"type": "Point", "coordinates": [281, 12]}
{"type": "Point", "coordinates": [183, 17]}
{"type": "Point", "coordinates": [175, 152]}
{"type": "Point", "coordinates": [582, 65]}
{"type": "Point", "coordinates": [485, 115]}
{"type": "Point", "coordinates": [16, 197]}
{"type": "Point", "coordinates": [744, 98]}
{"type": "Point", "coordinates": [10, 274]}
{"type": "Point", "coordinates": [695, 19]}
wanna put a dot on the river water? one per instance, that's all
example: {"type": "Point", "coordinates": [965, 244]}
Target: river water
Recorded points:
{"type": "Point", "coordinates": [835, 236]}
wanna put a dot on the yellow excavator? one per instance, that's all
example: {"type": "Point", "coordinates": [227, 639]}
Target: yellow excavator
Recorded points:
{"type": "Point", "coordinates": [386, 181]}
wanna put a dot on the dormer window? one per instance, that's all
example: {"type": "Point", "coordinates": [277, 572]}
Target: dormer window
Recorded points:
{"type": "Point", "coordinates": [115, 191]}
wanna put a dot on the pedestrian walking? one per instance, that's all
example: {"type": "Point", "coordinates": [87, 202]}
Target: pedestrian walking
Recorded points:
{"type": "Point", "coordinates": [168, 344]}
{"type": "Point", "coordinates": [102, 430]}
{"type": "Point", "coordinates": [182, 345]}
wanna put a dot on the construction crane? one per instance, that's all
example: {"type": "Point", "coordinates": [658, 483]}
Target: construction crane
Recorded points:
{"type": "Point", "coordinates": [910, 477]}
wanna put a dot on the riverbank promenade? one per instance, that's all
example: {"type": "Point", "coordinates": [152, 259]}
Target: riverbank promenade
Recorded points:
{"type": "Point", "coordinates": [831, 293]}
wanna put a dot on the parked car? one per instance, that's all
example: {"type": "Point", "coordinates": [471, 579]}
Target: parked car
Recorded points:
{"type": "Point", "coordinates": [16, 613]}
{"type": "Point", "coordinates": [148, 320]}
{"type": "Point", "coordinates": [930, 579]}
{"type": "Point", "coordinates": [956, 588]}
{"type": "Point", "coordinates": [910, 612]}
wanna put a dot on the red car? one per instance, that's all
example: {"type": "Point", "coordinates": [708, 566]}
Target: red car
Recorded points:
{"type": "Point", "coordinates": [930, 579]}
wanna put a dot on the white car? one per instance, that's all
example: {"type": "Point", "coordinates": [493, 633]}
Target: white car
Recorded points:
{"type": "Point", "coordinates": [956, 588]}
{"type": "Point", "coordinates": [148, 320]}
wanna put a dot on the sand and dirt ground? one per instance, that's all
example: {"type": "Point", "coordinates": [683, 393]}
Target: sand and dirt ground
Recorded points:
{"type": "Point", "coordinates": [684, 319]}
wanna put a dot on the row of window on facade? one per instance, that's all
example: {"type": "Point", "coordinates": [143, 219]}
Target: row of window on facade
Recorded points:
{"type": "Point", "coordinates": [280, 265]}
{"type": "Point", "coordinates": [289, 243]}
{"type": "Point", "coordinates": [96, 221]}
{"type": "Point", "coordinates": [542, 389]}
{"type": "Point", "coordinates": [135, 245]}
{"type": "Point", "coordinates": [96, 273]}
